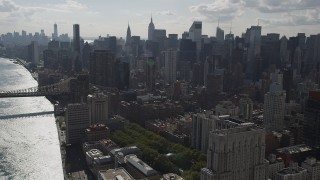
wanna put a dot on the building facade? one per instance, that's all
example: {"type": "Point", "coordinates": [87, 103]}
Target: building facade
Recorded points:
{"type": "Point", "coordinates": [236, 154]}
{"type": "Point", "coordinates": [77, 120]}
{"type": "Point", "coordinates": [274, 110]}
{"type": "Point", "coordinates": [170, 66]}
{"type": "Point", "coordinates": [98, 108]}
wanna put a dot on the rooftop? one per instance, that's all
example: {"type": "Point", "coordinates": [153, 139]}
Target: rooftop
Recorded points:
{"type": "Point", "coordinates": [290, 171]}
{"type": "Point", "coordinates": [295, 149]}
{"type": "Point", "coordinates": [115, 174]}
{"type": "Point", "coordinates": [140, 165]}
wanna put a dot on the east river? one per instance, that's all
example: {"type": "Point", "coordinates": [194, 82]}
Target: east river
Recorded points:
{"type": "Point", "coordinates": [29, 145]}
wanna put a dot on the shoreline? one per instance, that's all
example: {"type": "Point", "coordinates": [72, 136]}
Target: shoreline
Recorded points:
{"type": "Point", "coordinates": [53, 102]}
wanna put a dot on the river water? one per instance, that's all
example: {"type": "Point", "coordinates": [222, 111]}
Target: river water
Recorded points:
{"type": "Point", "coordinates": [29, 145]}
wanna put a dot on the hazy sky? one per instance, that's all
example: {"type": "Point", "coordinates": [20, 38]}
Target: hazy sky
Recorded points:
{"type": "Point", "coordinates": [102, 17]}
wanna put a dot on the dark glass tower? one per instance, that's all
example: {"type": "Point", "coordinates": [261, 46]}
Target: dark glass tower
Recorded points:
{"type": "Point", "coordinates": [76, 38]}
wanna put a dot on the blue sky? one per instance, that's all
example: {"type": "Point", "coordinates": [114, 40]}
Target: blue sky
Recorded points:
{"type": "Point", "coordinates": [102, 17]}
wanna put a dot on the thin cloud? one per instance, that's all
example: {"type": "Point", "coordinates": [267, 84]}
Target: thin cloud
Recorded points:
{"type": "Point", "coordinates": [166, 13]}
{"type": "Point", "coordinates": [291, 12]}
{"type": "Point", "coordinates": [7, 6]}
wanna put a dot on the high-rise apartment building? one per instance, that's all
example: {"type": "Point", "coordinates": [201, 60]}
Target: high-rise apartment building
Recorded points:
{"type": "Point", "coordinates": [98, 108]}
{"type": "Point", "coordinates": [33, 52]}
{"type": "Point", "coordinates": [170, 65]}
{"type": "Point", "coordinates": [202, 124]}
{"type": "Point", "coordinates": [151, 74]}
{"type": "Point", "coordinates": [77, 120]}
{"type": "Point", "coordinates": [236, 154]}
{"type": "Point", "coordinates": [274, 108]}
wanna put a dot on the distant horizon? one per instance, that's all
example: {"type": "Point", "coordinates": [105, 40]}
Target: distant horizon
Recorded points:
{"type": "Point", "coordinates": [145, 38]}
{"type": "Point", "coordinates": [99, 17]}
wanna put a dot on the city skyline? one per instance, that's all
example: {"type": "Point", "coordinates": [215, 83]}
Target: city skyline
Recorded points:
{"type": "Point", "coordinates": [102, 18]}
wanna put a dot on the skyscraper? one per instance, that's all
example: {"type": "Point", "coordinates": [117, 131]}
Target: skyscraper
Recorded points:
{"type": "Point", "coordinates": [170, 65]}
{"type": "Point", "coordinates": [128, 38]}
{"type": "Point", "coordinates": [236, 154]}
{"type": "Point", "coordinates": [195, 33]}
{"type": "Point", "coordinates": [55, 32]}
{"type": "Point", "coordinates": [76, 38]}
{"type": "Point", "coordinates": [151, 73]}
{"type": "Point", "coordinates": [151, 29]}
{"type": "Point", "coordinates": [77, 63]}
{"type": "Point", "coordinates": [102, 68]}
{"type": "Point", "coordinates": [253, 39]}
{"type": "Point", "coordinates": [220, 34]}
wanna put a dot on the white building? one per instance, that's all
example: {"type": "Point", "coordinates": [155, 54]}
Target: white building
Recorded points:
{"type": "Point", "coordinates": [98, 108]}
{"type": "Point", "coordinates": [77, 120]}
{"type": "Point", "coordinates": [236, 154]}
{"type": "Point", "coordinates": [170, 66]}
{"type": "Point", "coordinates": [313, 167]}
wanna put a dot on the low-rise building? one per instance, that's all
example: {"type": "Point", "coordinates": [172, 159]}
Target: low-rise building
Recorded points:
{"type": "Point", "coordinates": [171, 176]}
{"type": "Point", "coordinates": [139, 169]}
{"type": "Point", "coordinates": [293, 172]}
{"type": "Point", "coordinates": [275, 165]}
{"type": "Point", "coordinates": [91, 154]}
{"type": "Point", "coordinates": [97, 132]}
{"type": "Point", "coordinates": [313, 167]}
{"type": "Point", "coordinates": [114, 174]}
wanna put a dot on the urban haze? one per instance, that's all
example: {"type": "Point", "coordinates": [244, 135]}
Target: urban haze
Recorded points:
{"type": "Point", "coordinates": [170, 90]}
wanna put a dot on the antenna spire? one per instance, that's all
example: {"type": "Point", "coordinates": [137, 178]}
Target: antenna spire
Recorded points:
{"type": "Point", "coordinates": [218, 20]}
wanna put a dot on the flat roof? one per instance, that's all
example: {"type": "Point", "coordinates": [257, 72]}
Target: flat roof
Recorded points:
{"type": "Point", "coordinates": [295, 149]}
{"type": "Point", "coordinates": [140, 165]}
{"type": "Point", "coordinates": [115, 174]}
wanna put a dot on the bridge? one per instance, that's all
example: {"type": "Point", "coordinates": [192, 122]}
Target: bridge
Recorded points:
{"type": "Point", "coordinates": [77, 88]}
{"type": "Point", "coordinates": [61, 88]}
{"type": "Point", "coordinates": [27, 115]}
